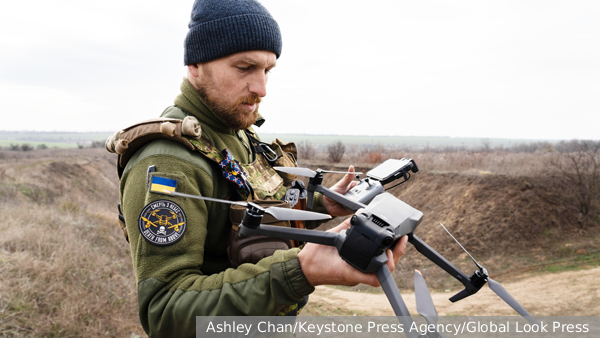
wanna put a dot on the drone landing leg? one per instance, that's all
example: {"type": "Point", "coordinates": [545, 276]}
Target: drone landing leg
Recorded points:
{"type": "Point", "coordinates": [391, 291]}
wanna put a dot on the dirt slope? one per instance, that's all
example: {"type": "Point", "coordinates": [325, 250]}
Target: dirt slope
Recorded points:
{"type": "Point", "coordinates": [510, 224]}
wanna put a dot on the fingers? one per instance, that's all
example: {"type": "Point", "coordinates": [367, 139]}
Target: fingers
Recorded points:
{"type": "Point", "coordinates": [399, 249]}
{"type": "Point", "coordinates": [397, 253]}
{"type": "Point", "coordinates": [391, 262]}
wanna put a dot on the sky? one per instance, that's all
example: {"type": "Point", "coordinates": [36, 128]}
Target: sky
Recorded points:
{"type": "Point", "coordinates": [487, 69]}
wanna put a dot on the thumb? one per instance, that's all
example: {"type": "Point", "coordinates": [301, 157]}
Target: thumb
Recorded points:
{"type": "Point", "coordinates": [342, 226]}
{"type": "Point", "coordinates": [348, 177]}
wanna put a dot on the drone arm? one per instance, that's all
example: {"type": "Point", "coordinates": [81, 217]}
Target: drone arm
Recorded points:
{"type": "Point", "coordinates": [439, 260]}
{"type": "Point", "coordinates": [391, 291]}
{"type": "Point", "coordinates": [303, 235]}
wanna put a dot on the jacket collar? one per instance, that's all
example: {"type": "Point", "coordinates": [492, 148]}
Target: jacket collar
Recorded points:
{"type": "Point", "coordinates": [193, 103]}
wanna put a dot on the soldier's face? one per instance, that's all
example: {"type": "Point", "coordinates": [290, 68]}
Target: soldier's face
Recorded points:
{"type": "Point", "coordinates": [234, 85]}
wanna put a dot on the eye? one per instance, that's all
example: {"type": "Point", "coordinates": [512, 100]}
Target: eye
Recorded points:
{"type": "Point", "coordinates": [243, 69]}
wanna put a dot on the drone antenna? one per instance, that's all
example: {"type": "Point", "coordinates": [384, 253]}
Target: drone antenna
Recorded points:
{"type": "Point", "coordinates": [479, 266]}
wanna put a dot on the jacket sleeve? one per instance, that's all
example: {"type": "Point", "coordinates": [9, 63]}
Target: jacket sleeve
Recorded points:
{"type": "Point", "coordinates": [172, 287]}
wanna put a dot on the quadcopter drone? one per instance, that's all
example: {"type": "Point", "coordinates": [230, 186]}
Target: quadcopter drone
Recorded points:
{"type": "Point", "coordinates": [381, 221]}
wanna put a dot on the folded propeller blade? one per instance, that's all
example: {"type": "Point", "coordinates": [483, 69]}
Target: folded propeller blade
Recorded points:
{"type": "Point", "coordinates": [282, 214]}
{"type": "Point", "coordinates": [502, 293]}
{"type": "Point", "coordinates": [297, 171]}
{"type": "Point", "coordinates": [341, 172]}
{"type": "Point", "coordinates": [425, 305]}
{"type": "Point", "coordinates": [285, 214]}
{"type": "Point", "coordinates": [310, 173]}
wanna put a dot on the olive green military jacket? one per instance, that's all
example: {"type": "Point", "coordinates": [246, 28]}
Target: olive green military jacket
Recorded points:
{"type": "Point", "coordinates": [190, 277]}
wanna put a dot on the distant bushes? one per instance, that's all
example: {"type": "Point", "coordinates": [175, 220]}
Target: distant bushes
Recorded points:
{"type": "Point", "coordinates": [336, 151]}
{"type": "Point", "coordinates": [97, 144]}
{"type": "Point", "coordinates": [306, 150]}
{"type": "Point", "coordinates": [578, 165]}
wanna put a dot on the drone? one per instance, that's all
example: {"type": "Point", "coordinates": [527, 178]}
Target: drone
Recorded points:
{"type": "Point", "coordinates": [380, 219]}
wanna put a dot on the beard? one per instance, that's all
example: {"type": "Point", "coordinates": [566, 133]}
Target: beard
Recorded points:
{"type": "Point", "coordinates": [233, 114]}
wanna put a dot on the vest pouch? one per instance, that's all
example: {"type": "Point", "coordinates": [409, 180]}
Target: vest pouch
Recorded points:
{"type": "Point", "coordinates": [254, 248]}
{"type": "Point", "coordinates": [287, 155]}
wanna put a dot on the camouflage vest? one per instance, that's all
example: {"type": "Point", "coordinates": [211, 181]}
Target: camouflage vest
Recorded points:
{"type": "Point", "coordinates": [254, 181]}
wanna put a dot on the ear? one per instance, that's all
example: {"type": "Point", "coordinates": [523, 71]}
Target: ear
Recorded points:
{"type": "Point", "coordinates": [193, 70]}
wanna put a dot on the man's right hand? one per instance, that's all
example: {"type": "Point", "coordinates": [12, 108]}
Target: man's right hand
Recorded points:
{"type": "Point", "coordinates": [323, 265]}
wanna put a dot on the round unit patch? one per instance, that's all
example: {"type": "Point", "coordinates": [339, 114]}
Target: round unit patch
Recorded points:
{"type": "Point", "coordinates": [162, 222]}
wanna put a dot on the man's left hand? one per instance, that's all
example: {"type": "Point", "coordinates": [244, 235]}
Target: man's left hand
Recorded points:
{"type": "Point", "coordinates": [341, 187]}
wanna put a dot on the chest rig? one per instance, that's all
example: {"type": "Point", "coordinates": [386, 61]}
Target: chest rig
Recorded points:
{"type": "Point", "coordinates": [253, 181]}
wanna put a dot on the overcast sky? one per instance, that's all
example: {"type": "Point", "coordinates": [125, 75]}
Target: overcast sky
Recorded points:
{"type": "Point", "coordinates": [508, 69]}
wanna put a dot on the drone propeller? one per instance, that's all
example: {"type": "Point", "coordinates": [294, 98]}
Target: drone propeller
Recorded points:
{"type": "Point", "coordinates": [282, 214]}
{"type": "Point", "coordinates": [497, 288]}
{"type": "Point", "coordinates": [425, 305]}
{"type": "Point", "coordinates": [309, 173]}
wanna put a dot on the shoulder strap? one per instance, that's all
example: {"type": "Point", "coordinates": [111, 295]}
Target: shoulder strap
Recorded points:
{"type": "Point", "coordinates": [230, 168]}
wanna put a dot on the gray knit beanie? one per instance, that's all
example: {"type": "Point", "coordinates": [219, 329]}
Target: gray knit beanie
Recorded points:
{"type": "Point", "coordinates": [223, 27]}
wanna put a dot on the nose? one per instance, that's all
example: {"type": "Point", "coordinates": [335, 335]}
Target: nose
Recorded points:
{"type": "Point", "coordinates": [258, 85]}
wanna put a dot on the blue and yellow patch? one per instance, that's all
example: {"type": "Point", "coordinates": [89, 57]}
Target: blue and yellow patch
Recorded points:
{"type": "Point", "coordinates": [160, 184]}
{"type": "Point", "coordinates": [162, 222]}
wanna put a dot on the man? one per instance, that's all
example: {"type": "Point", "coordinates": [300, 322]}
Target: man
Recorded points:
{"type": "Point", "coordinates": [229, 51]}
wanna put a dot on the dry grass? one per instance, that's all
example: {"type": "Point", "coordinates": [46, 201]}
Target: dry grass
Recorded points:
{"type": "Point", "coordinates": [66, 269]}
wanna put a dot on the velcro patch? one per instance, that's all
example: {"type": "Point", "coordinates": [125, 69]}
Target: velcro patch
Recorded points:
{"type": "Point", "coordinates": [162, 222]}
{"type": "Point", "coordinates": [160, 184]}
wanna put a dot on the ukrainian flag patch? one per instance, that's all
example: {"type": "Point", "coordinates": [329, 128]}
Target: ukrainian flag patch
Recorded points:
{"type": "Point", "coordinates": [160, 184]}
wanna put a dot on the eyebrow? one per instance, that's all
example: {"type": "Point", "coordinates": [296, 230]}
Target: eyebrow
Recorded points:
{"type": "Point", "coordinates": [254, 63]}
